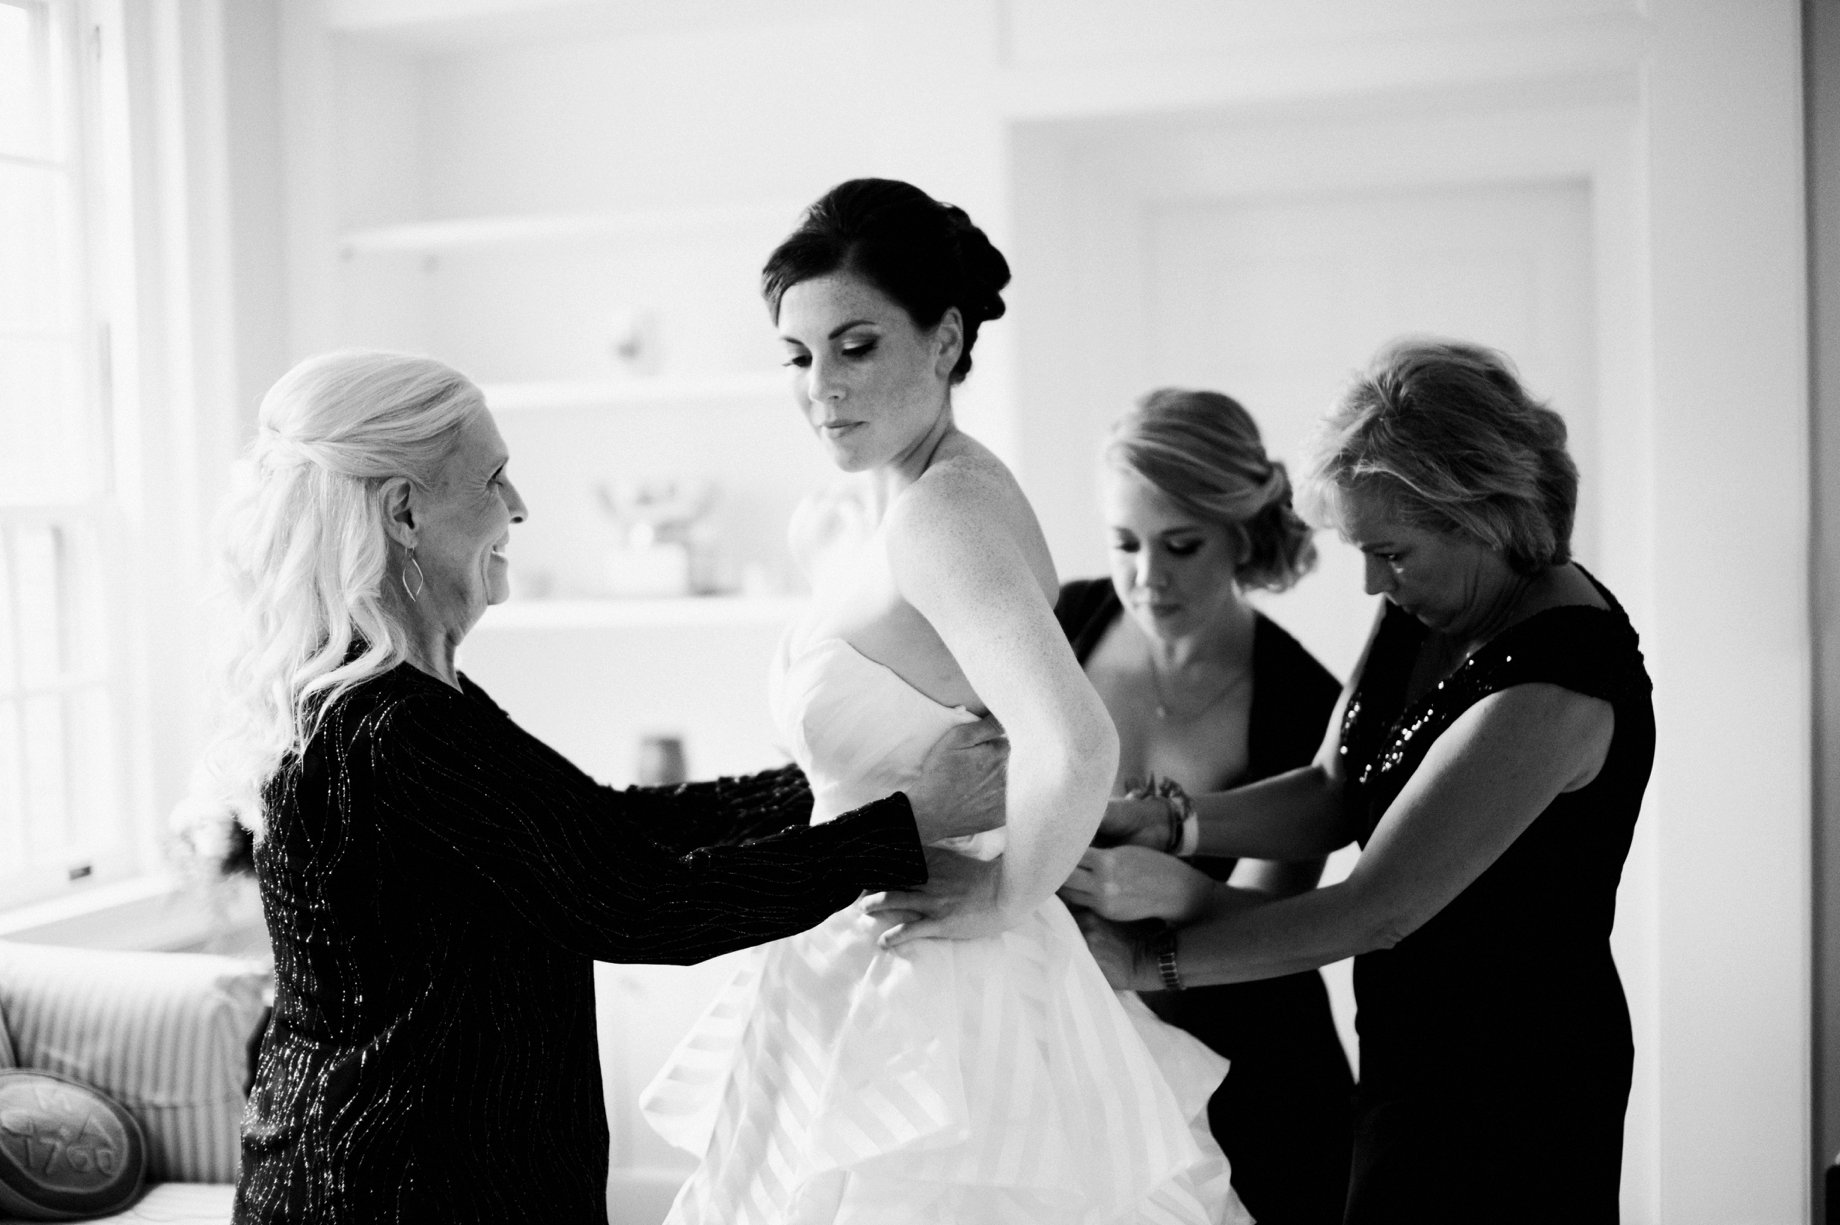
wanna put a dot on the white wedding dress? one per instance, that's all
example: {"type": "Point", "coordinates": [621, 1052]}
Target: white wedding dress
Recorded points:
{"type": "Point", "coordinates": [991, 1080]}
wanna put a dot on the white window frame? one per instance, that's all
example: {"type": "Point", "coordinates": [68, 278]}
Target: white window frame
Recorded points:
{"type": "Point", "coordinates": [160, 235]}
{"type": "Point", "coordinates": [45, 857]}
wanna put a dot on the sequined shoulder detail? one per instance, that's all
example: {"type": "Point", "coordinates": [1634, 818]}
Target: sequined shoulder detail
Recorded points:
{"type": "Point", "coordinates": [1589, 650]}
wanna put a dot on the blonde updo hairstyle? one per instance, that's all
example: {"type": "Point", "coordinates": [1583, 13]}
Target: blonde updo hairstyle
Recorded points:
{"type": "Point", "coordinates": [1202, 450]}
{"type": "Point", "coordinates": [307, 559]}
{"type": "Point", "coordinates": [1445, 435]}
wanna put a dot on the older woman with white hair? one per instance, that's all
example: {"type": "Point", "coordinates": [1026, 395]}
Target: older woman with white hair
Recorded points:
{"type": "Point", "coordinates": [437, 883]}
{"type": "Point", "coordinates": [1490, 755]}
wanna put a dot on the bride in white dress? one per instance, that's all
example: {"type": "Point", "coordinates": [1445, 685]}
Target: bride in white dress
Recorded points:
{"type": "Point", "coordinates": [951, 1055]}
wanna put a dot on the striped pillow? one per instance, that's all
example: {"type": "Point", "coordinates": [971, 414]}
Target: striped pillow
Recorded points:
{"type": "Point", "coordinates": [165, 1034]}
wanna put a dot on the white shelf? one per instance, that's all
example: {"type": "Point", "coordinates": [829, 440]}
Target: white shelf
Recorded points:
{"type": "Point", "coordinates": [527, 229]}
{"type": "Point", "coordinates": [447, 26]}
{"type": "Point", "coordinates": [686, 611]}
{"type": "Point", "coordinates": [633, 393]}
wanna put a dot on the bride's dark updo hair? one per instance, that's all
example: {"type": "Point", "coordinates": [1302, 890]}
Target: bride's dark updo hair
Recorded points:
{"type": "Point", "coordinates": [923, 254]}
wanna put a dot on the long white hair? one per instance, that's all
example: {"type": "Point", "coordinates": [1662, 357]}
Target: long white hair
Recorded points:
{"type": "Point", "coordinates": [306, 555]}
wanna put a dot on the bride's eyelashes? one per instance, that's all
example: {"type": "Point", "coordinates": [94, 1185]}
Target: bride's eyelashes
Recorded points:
{"type": "Point", "coordinates": [855, 351]}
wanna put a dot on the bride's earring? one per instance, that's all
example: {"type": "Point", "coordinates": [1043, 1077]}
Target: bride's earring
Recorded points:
{"type": "Point", "coordinates": [415, 592]}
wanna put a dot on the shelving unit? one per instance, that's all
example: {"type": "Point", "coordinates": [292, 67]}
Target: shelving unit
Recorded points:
{"type": "Point", "coordinates": [537, 396]}
{"type": "Point", "coordinates": [446, 25]}
{"type": "Point", "coordinates": [466, 199]}
{"type": "Point", "coordinates": [686, 612]}
{"type": "Point", "coordinates": [462, 233]}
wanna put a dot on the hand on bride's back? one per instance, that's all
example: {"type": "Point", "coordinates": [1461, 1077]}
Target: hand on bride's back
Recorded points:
{"type": "Point", "coordinates": [960, 788]}
{"type": "Point", "coordinates": [957, 902]}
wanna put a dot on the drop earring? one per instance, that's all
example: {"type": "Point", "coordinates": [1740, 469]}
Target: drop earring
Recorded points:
{"type": "Point", "coordinates": [414, 593]}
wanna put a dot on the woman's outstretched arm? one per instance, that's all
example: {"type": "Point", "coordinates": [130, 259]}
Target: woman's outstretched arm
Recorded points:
{"type": "Point", "coordinates": [478, 802]}
{"type": "Point", "coordinates": [955, 555]}
{"type": "Point", "coordinates": [1297, 815]}
{"type": "Point", "coordinates": [1482, 783]}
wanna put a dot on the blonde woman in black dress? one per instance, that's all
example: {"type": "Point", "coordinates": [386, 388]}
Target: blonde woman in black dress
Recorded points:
{"type": "Point", "coordinates": [1209, 693]}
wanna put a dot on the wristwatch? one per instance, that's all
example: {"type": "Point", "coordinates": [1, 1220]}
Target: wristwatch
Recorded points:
{"type": "Point", "coordinates": [1163, 948]}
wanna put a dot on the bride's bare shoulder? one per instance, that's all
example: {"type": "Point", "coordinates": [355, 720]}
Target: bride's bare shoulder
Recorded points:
{"type": "Point", "coordinates": [968, 511]}
{"type": "Point", "coordinates": [970, 486]}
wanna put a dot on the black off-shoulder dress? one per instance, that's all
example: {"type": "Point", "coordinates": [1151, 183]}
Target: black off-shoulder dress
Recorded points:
{"type": "Point", "coordinates": [1495, 1041]}
{"type": "Point", "coordinates": [1283, 1114]}
{"type": "Point", "coordinates": [437, 884]}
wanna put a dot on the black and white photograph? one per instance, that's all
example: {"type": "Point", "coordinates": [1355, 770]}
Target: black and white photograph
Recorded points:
{"type": "Point", "coordinates": [920, 612]}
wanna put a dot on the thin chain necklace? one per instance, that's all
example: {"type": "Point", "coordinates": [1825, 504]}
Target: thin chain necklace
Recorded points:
{"type": "Point", "coordinates": [1162, 701]}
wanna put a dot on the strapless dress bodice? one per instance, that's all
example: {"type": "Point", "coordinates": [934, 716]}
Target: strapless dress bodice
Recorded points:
{"type": "Point", "coordinates": [858, 730]}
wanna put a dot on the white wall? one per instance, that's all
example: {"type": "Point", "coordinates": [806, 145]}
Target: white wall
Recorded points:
{"type": "Point", "coordinates": [1728, 522]}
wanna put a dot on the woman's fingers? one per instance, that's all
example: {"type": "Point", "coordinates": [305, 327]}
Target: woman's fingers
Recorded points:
{"type": "Point", "coordinates": [894, 899]}
{"type": "Point", "coordinates": [947, 927]}
{"type": "Point", "coordinates": [985, 731]}
{"type": "Point", "coordinates": [1109, 948]}
{"type": "Point", "coordinates": [896, 918]}
{"type": "Point", "coordinates": [900, 934]}
{"type": "Point", "coordinates": [958, 901]}
{"type": "Point", "coordinates": [1082, 887]}
{"type": "Point", "coordinates": [1092, 879]}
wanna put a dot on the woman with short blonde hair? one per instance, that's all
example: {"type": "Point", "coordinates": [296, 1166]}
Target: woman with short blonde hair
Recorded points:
{"type": "Point", "coordinates": [1445, 433]}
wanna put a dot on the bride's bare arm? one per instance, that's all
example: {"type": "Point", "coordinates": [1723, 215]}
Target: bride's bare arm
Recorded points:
{"type": "Point", "coordinates": [955, 555]}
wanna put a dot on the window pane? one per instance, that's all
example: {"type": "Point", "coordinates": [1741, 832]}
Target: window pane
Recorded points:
{"type": "Point", "coordinates": [12, 791]}
{"type": "Point", "coordinates": [9, 632]}
{"type": "Point", "coordinates": [38, 562]}
{"type": "Point", "coordinates": [84, 600]}
{"type": "Point", "coordinates": [23, 87]}
{"type": "Point", "coordinates": [95, 801]}
{"type": "Point", "coordinates": [46, 778]}
{"type": "Point", "coordinates": [48, 458]}
{"type": "Point", "coordinates": [39, 285]}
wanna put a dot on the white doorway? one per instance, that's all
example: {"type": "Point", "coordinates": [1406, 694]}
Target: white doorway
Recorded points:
{"type": "Point", "coordinates": [1277, 301]}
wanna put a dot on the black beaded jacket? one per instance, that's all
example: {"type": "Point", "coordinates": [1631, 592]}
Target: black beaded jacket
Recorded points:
{"type": "Point", "coordinates": [438, 884]}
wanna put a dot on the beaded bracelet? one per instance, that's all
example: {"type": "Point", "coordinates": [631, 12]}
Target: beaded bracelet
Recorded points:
{"type": "Point", "coordinates": [1184, 835]}
{"type": "Point", "coordinates": [1184, 826]}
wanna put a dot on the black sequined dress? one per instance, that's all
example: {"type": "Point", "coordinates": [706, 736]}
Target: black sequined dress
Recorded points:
{"type": "Point", "coordinates": [437, 884]}
{"type": "Point", "coordinates": [1495, 1040]}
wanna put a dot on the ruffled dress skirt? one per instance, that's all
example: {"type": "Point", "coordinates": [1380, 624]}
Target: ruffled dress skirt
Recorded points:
{"type": "Point", "coordinates": [991, 1080]}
